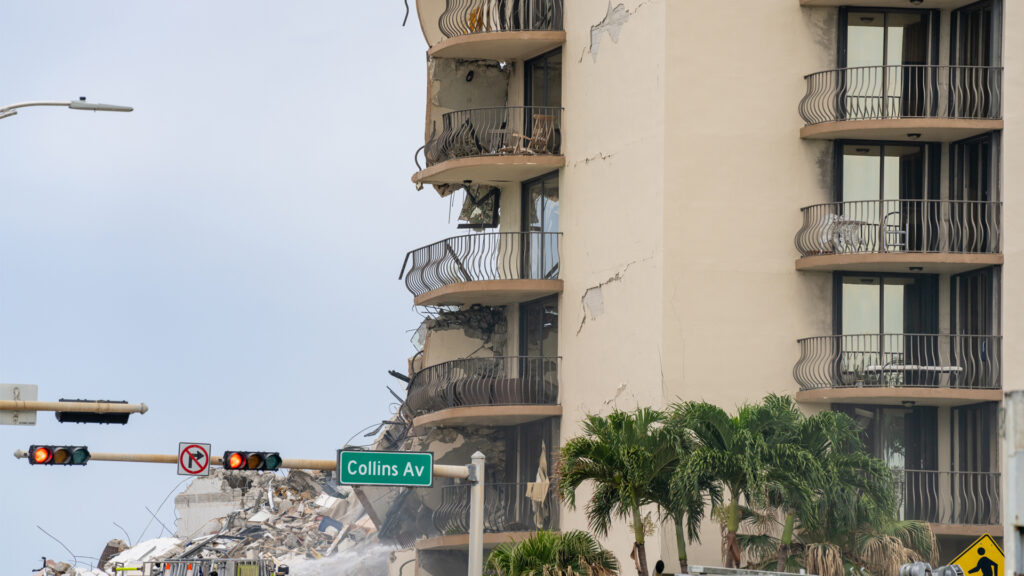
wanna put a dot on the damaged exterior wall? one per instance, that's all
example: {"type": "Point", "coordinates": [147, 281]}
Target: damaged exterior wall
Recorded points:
{"type": "Point", "coordinates": [463, 84]}
{"type": "Point", "coordinates": [684, 141]}
{"type": "Point", "coordinates": [679, 201]}
{"type": "Point", "coordinates": [204, 502]}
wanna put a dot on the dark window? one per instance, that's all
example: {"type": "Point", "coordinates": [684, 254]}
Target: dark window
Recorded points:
{"type": "Point", "coordinates": [974, 300]}
{"type": "Point", "coordinates": [973, 35]}
{"type": "Point", "coordinates": [544, 80]}
{"type": "Point", "coordinates": [886, 190]}
{"type": "Point", "coordinates": [886, 304]}
{"type": "Point", "coordinates": [538, 328]}
{"type": "Point", "coordinates": [879, 37]}
{"type": "Point", "coordinates": [905, 438]}
{"type": "Point", "coordinates": [540, 214]}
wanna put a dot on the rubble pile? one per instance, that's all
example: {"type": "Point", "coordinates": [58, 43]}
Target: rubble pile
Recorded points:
{"type": "Point", "coordinates": [287, 519]}
{"type": "Point", "coordinates": [277, 518]}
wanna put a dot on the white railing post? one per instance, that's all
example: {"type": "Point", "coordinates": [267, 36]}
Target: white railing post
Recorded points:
{"type": "Point", "coordinates": [476, 517]}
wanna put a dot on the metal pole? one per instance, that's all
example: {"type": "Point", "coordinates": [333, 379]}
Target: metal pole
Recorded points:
{"type": "Point", "coordinates": [91, 407]}
{"type": "Point", "coordinates": [291, 463]}
{"type": "Point", "coordinates": [476, 517]}
{"type": "Point", "coordinates": [80, 104]}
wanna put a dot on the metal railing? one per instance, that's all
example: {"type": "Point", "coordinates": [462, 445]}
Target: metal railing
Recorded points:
{"type": "Point", "coordinates": [496, 131]}
{"type": "Point", "coordinates": [495, 381]}
{"type": "Point", "coordinates": [462, 17]}
{"type": "Point", "coordinates": [883, 226]}
{"type": "Point", "coordinates": [475, 257]}
{"type": "Point", "coordinates": [966, 498]}
{"type": "Point", "coordinates": [959, 361]}
{"type": "Point", "coordinates": [197, 567]}
{"type": "Point", "coordinates": [507, 508]}
{"type": "Point", "coordinates": [904, 91]}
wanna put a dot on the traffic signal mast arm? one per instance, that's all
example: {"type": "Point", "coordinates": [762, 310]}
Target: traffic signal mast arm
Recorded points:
{"type": "Point", "coordinates": [93, 407]}
{"type": "Point", "coordinates": [441, 470]}
{"type": "Point", "coordinates": [293, 463]}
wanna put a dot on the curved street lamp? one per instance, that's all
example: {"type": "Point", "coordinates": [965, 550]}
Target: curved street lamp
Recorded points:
{"type": "Point", "coordinates": [79, 104]}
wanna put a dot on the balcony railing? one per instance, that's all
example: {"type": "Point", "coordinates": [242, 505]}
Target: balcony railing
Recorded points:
{"type": "Point", "coordinates": [507, 508]}
{"type": "Point", "coordinates": [500, 131]}
{"type": "Point", "coordinates": [501, 381]}
{"type": "Point", "coordinates": [462, 17]}
{"type": "Point", "coordinates": [965, 498]}
{"type": "Point", "coordinates": [958, 361]}
{"type": "Point", "coordinates": [475, 257]}
{"type": "Point", "coordinates": [887, 226]}
{"type": "Point", "coordinates": [906, 91]}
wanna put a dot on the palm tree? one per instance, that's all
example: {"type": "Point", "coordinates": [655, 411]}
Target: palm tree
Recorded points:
{"type": "Point", "coordinates": [624, 455]}
{"type": "Point", "coordinates": [724, 449]}
{"type": "Point", "coordinates": [834, 496]}
{"type": "Point", "coordinates": [544, 553]}
{"type": "Point", "coordinates": [685, 499]}
{"type": "Point", "coordinates": [856, 509]}
{"type": "Point", "coordinates": [791, 450]}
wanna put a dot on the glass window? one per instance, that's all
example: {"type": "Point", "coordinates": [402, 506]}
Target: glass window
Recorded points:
{"type": "Point", "coordinates": [544, 80]}
{"type": "Point", "coordinates": [540, 217]}
{"type": "Point", "coordinates": [884, 304]}
{"type": "Point", "coordinates": [905, 438]}
{"type": "Point", "coordinates": [972, 35]}
{"type": "Point", "coordinates": [886, 38]}
{"type": "Point", "coordinates": [538, 330]}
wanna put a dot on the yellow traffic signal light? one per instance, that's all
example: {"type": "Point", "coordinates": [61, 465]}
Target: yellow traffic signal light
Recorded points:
{"type": "Point", "coordinates": [252, 460]}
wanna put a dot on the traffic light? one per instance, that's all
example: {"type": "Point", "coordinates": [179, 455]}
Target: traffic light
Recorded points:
{"type": "Point", "coordinates": [93, 417]}
{"type": "Point", "coordinates": [252, 460]}
{"type": "Point", "coordinates": [48, 455]}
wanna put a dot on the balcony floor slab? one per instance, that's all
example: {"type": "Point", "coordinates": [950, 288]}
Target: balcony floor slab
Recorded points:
{"type": "Point", "coordinates": [509, 415]}
{"type": "Point", "coordinates": [504, 46]}
{"type": "Point", "coordinates": [899, 129]}
{"type": "Point", "coordinates": [929, 262]}
{"type": "Point", "coordinates": [972, 530]}
{"type": "Point", "coordinates": [924, 5]}
{"type": "Point", "coordinates": [895, 396]}
{"type": "Point", "coordinates": [489, 292]}
{"type": "Point", "coordinates": [496, 169]}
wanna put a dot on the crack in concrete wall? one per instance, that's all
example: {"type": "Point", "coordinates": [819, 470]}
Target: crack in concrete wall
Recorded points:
{"type": "Point", "coordinates": [594, 158]}
{"type": "Point", "coordinates": [612, 23]}
{"type": "Point", "coordinates": [592, 300]}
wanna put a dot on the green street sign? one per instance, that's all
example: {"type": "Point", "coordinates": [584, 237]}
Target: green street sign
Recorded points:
{"type": "Point", "coordinates": [368, 468]}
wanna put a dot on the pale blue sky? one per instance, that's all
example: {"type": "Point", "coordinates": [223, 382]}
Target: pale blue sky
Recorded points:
{"type": "Point", "coordinates": [228, 253]}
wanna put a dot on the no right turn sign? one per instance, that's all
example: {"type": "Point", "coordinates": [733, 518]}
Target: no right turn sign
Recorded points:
{"type": "Point", "coordinates": [193, 459]}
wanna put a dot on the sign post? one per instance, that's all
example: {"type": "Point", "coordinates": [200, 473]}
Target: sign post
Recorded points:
{"type": "Point", "coordinates": [417, 469]}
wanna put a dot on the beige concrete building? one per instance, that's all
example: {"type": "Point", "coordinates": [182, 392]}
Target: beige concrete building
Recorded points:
{"type": "Point", "coordinates": [709, 199]}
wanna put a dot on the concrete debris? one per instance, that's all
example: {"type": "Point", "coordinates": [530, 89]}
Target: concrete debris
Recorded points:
{"type": "Point", "coordinates": [113, 548]}
{"type": "Point", "coordinates": [306, 520]}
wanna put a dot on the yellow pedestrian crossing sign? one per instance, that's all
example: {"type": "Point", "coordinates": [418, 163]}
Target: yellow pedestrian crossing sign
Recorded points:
{"type": "Point", "coordinates": [983, 558]}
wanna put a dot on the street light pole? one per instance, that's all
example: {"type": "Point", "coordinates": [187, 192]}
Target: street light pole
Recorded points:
{"type": "Point", "coordinates": [79, 104]}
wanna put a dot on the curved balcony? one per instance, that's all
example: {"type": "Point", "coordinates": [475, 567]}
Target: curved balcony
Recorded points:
{"type": "Point", "coordinates": [923, 5]}
{"type": "Point", "coordinates": [494, 269]}
{"type": "Point", "coordinates": [510, 513]}
{"type": "Point", "coordinates": [490, 30]}
{"type": "Point", "coordinates": [497, 391]}
{"type": "Point", "coordinates": [929, 369]}
{"type": "Point", "coordinates": [907, 102]}
{"type": "Point", "coordinates": [954, 503]}
{"type": "Point", "coordinates": [494, 145]}
{"type": "Point", "coordinates": [936, 236]}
